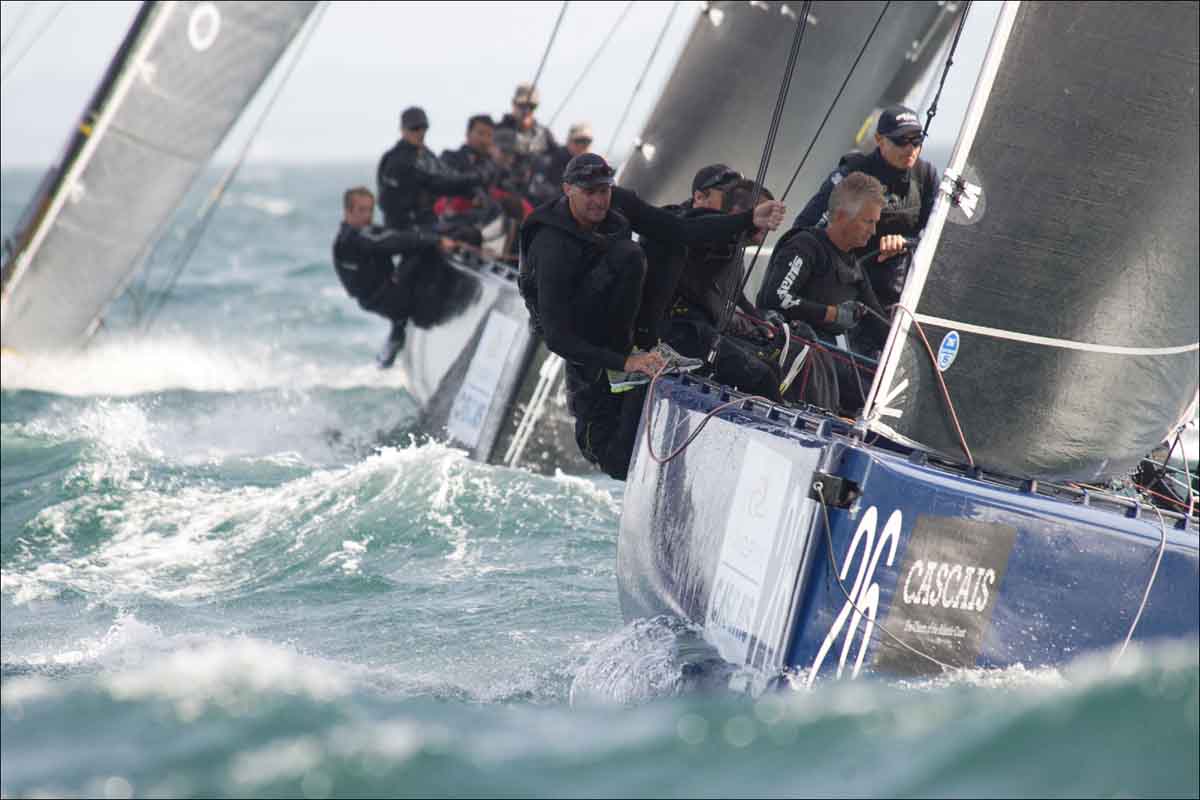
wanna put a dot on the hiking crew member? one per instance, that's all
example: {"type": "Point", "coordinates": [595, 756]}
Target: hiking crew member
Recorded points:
{"type": "Point", "coordinates": [534, 140]}
{"type": "Point", "coordinates": [475, 155]}
{"type": "Point", "coordinates": [814, 277]}
{"type": "Point", "coordinates": [473, 158]}
{"type": "Point", "coordinates": [411, 178]}
{"type": "Point", "coordinates": [708, 274]}
{"type": "Point", "coordinates": [910, 187]}
{"type": "Point", "coordinates": [373, 264]}
{"type": "Point", "coordinates": [585, 283]}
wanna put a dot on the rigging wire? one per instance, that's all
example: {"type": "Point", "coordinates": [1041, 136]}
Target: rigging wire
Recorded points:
{"type": "Point", "coordinates": [205, 215]}
{"type": "Point", "coordinates": [829, 112]}
{"type": "Point", "coordinates": [763, 162]}
{"type": "Point", "coordinates": [962, 23]}
{"type": "Point", "coordinates": [16, 25]}
{"type": "Point", "coordinates": [645, 71]}
{"type": "Point", "coordinates": [12, 65]}
{"type": "Point", "coordinates": [962, 439]}
{"type": "Point", "coordinates": [591, 63]}
{"type": "Point", "coordinates": [562, 12]}
{"type": "Point", "coordinates": [1162, 547]}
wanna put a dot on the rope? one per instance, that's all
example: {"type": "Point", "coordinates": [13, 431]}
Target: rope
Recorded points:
{"type": "Point", "coordinates": [962, 440]}
{"type": "Point", "coordinates": [1162, 547]}
{"type": "Point", "coordinates": [591, 63]}
{"type": "Point", "coordinates": [648, 415]}
{"type": "Point", "coordinates": [829, 112]}
{"type": "Point", "coordinates": [562, 12]}
{"type": "Point", "coordinates": [645, 71]}
{"type": "Point", "coordinates": [12, 65]}
{"type": "Point", "coordinates": [1187, 472]}
{"type": "Point", "coordinates": [962, 22]}
{"type": "Point", "coordinates": [196, 233]}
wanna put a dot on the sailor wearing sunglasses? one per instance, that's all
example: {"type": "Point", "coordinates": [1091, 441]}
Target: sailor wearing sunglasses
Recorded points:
{"type": "Point", "coordinates": [910, 186]}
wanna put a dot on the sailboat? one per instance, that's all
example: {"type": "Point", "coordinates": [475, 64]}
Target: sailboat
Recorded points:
{"type": "Point", "coordinates": [1048, 339]}
{"type": "Point", "coordinates": [179, 81]}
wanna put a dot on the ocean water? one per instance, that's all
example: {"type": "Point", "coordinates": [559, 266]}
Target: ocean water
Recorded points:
{"type": "Point", "coordinates": [230, 566]}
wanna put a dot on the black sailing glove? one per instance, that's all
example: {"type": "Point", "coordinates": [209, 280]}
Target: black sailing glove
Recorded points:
{"type": "Point", "coordinates": [848, 315]}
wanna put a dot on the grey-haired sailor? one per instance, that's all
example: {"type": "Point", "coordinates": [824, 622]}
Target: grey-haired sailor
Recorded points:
{"type": "Point", "coordinates": [814, 277]}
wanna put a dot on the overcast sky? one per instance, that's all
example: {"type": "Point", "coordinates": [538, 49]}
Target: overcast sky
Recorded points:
{"type": "Point", "coordinates": [366, 62]}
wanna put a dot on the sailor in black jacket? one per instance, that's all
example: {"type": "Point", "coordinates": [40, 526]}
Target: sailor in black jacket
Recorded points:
{"type": "Point", "coordinates": [910, 187]}
{"type": "Point", "coordinates": [814, 277]}
{"type": "Point", "coordinates": [534, 139]}
{"type": "Point", "coordinates": [585, 283]}
{"type": "Point", "coordinates": [411, 178]}
{"type": "Point", "coordinates": [709, 275]}
{"type": "Point", "coordinates": [371, 264]}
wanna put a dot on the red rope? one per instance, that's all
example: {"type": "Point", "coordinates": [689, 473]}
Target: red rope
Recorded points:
{"type": "Point", "coordinates": [942, 383]}
{"type": "Point", "coordinates": [647, 412]}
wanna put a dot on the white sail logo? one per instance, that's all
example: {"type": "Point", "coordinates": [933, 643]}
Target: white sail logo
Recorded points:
{"type": "Point", "coordinates": [204, 25]}
{"type": "Point", "coordinates": [864, 595]}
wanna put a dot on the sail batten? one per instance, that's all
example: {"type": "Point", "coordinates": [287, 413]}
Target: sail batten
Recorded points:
{"type": "Point", "coordinates": [181, 81]}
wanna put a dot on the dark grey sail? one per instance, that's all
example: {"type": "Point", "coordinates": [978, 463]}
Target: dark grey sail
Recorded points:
{"type": "Point", "coordinates": [181, 78]}
{"type": "Point", "coordinates": [716, 106]}
{"type": "Point", "coordinates": [1065, 313]}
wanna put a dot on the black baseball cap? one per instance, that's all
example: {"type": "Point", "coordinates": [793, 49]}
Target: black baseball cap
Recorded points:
{"type": "Point", "coordinates": [898, 121]}
{"type": "Point", "coordinates": [588, 170]}
{"type": "Point", "coordinates": [714, 176]}
{"type": "Point", "coordinates": [413, 118]}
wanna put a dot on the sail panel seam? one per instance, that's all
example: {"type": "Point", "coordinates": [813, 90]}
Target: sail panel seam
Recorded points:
{"type": "Point", "coordinates": [1050, 341]}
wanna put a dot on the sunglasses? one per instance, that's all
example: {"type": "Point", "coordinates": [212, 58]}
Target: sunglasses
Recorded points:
{"type": "Point", "coordinates": [915, 140]}
{"type": "Point", "coordinates": [721, 178]}
{"type": "Point", "coordinates": [582, 140]}
{"type": "Point", "coordinates": [527, 106]}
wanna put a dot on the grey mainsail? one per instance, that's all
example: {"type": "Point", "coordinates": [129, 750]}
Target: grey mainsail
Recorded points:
{"type": "Point", "coordinates": [716, 106]}
{"type": "Point", "coordinates": [181, 78]}
{"type": "Point", "coordinates": [1064, 314]}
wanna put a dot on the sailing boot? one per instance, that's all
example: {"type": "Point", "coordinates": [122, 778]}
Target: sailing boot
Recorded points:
{"type": "Point", "coordinates": [394, 344]}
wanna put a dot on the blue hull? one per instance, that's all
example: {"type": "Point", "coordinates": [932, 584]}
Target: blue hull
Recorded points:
{"type": "Point", "coordinates": [907, 567]}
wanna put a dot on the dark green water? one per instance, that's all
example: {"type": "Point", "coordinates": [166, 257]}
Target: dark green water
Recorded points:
{"type": "Point", "coordinates": [220, 578]}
